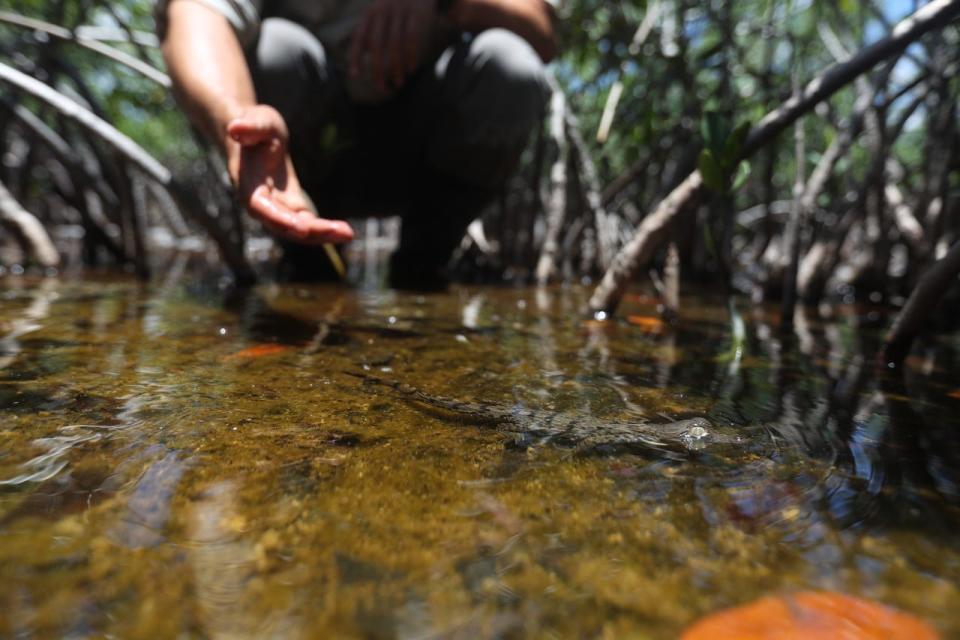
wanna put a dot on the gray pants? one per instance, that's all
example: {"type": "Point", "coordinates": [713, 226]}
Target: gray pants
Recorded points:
{"type": "Point", "coordinates": [435, 153]}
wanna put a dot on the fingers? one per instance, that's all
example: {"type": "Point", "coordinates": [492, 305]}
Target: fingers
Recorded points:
{"type": "Point", "coordinates": [396, 46]}
{"type": "Point", "coordinates": [357, 41]}
{"type": "Point", "coordinates": [368, 40]}
{"type": "Point", "coordinates": [314, 231]}
{"type": "Point", "coordinates": [375, 45]}
{"type": "Point", "coordinates": [389, 36]}
{"type": "Point", "coordinates": [298, 226]}
{"type": "Point", "coordinates": [414, 29]}
{"type": "Point", "coordinates": [322, 230]}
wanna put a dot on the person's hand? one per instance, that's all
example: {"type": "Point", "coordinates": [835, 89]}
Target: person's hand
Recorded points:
{"type": "Point", "coordinates": [263, 174]}
{"type": "Point", "coordinates": [390, 31]}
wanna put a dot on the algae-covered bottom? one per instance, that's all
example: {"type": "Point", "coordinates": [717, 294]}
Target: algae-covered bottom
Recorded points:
{"type": "Point", "coordinates": [190, 462]}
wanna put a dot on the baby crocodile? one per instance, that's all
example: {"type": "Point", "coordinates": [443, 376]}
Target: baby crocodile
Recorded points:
{"type": "Point", "coordinates": [581, 431]}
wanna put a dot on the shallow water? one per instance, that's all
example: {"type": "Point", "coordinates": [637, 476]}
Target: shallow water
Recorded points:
{"type": "Point", "coordinates": [187, 461]}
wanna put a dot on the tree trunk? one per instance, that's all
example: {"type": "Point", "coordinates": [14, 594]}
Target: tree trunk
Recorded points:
{"type": "Point", "coordinates": [931, 287]}
{"type": "Point", "coordinates": [799, 216]}
{"type": "Point", "coordinates": [28, 231]}
{"type": "Point", "coordinates": [185, 198]}
{"type": "Point", "coordinates": [557, 204]}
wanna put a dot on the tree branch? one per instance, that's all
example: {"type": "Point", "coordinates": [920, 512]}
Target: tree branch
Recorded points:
{"type": "Point", "coordinates": [28, 230]}
{"type": "Point", "coordinates": [105, 50]}
{"type": "Point", "coordinates": [185, 198]}
{"type": "Point", "coordinates": [652, 230]}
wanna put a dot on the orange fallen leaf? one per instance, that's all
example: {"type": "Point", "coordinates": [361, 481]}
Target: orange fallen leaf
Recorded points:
{"type": "Point", "coordinates": [257, 351]}
{"type": "Point", "coordinates": [810, 615]}
{"type": "Point", "coordinates": [599, 326]}
{"type": "Point", "coordinates": [649, 323]}
{"type": "Point", "coordinates": [641, 298]}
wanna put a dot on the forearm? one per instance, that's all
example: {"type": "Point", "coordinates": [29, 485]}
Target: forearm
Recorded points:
{"type": "Point", "coordinates": [531, 19]}
{"type": "Point", "coordinates": [209, 71]}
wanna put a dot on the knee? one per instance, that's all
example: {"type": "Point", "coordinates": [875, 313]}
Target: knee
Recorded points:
{"type": "Point", "coordinates": [289, 70]}
{"type": "Point", "coordinates": [511, 70]}
{"type": "Point", "coordinates": [286, 49]}
{"type": "Point", "coordinates": [498, 92]}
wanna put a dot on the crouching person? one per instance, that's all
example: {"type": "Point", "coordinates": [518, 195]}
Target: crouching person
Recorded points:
{"type": "Point", "coordinates": [415, 108]}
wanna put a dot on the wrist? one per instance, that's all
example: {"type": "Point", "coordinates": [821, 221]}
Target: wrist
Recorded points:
{"type": "Point", "coordinates": [221, 118]}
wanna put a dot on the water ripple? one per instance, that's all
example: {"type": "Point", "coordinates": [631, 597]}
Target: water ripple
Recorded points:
{"type": "Point", "coordinates": [52, 461]}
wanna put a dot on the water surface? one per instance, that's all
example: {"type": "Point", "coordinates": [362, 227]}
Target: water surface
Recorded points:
{"type": "Point", "coordinates": [189, 461]}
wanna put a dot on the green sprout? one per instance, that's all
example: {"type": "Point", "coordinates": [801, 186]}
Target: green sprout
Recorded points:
{"type": "Point", "coordinates": [720, 164]}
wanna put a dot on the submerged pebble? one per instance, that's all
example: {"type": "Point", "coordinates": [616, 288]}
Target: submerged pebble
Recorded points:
{"type": "Point", "coordinates": [697, 433]}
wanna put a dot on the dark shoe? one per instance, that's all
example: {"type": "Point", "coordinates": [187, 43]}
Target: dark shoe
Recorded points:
{"type": "Point", "coordinates": [441, 209]}
{"type": "Point", "coordinates": [417, 272]}
{"type": "Point", "coordinates": [305, 263]}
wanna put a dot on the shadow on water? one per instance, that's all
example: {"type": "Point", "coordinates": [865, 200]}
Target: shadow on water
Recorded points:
{"type": "Point", "coordinates": [195, 461]}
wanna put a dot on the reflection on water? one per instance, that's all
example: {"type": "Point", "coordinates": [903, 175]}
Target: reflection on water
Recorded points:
{"type": "Point", "coordinates": [185, 461]}
{"type": "Point", "coordinates": [52, 461]}
{"type": "Point", "coordinates": [223, 563]}
{"type": "Point", "coordinates": [148, 505]}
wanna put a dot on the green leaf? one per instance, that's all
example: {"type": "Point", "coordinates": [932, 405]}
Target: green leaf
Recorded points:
{"type": "Point", "coordinates": [711, 173]}
{"type": "Point", "coordinates": [715, 132]}
{"type": "Point", "coordinates": [803, 24]}
{"type": "Point", "coordinates": [849, 7]}
{"type": "Point", "coordinates": [731, 150]}
{"type": "Point", "coordinates": [741, 177]}
{"type": "Point", "coordinates": [708, 240]}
